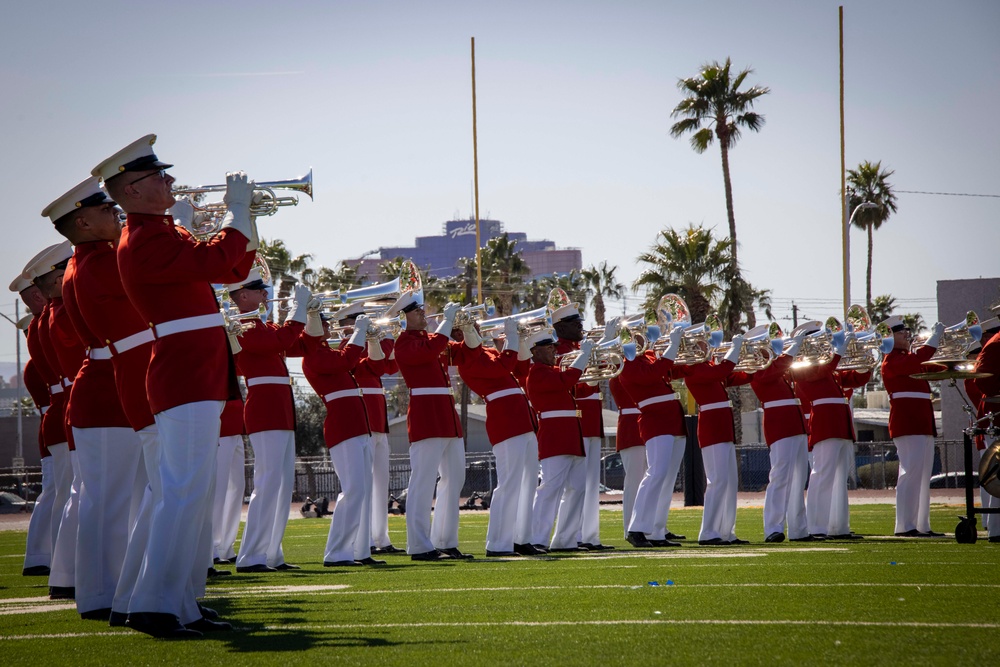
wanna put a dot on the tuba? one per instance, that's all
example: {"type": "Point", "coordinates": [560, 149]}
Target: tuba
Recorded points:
{"type": "Point", "coordinates": [761, 346]}
{"type": "Point", "coordinates": [865, 344]}
{"type": "Point", "coordinates": [956, 341]}
{"type": "Point", "coordinates": [697, 341]}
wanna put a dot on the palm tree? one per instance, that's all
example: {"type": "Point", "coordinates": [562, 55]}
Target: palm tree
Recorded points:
{"type": "Point", "coordinates": [689, 263]}
{"type": "Point", "coordinates": [285, 269]}
{"type": "Point", "coordinates": [536, 293]}
{"type": "Point", "coordinates": [748, 299]}
{"type": "Point", "coordinates": [915, 322]}
{"type": "Point", "coordinates": [881, 308]}
{"type": "Point", "coordinates": [869, 183]}
{"type": "Point", "coordinates": [342, 278]}
{"type": "Point", "coordinates": [601, 282]}
{"type": "Point", "coordinates": [503, 272]}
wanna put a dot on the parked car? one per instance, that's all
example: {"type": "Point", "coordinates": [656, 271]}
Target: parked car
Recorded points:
{"type": "Point", "coordinates": [953, 480]}
{"type": "Point", "coordinates": [10, 503]}
{"type": "Point", "coordinates": [613, 472]}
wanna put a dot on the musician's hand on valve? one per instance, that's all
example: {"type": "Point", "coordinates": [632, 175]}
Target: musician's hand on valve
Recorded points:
{"type": "Point", "coordinates": [300, 311]}
{"type": "Point", "coordinates": [838, 341]}
{"type": "Point", "coordinates": [936, 333]}
{"type": "Point", "coordinates": [734, 352]}
{"type": "Point", "coordinates": [361, 326]}
{"type": "Point", "coordinates": [183, 213]}
{"type": "Point", "coordinates": [315, 303]}
{"type": "Point", "coordinates": [796, 345]}
{"type": "Point", "coordinates": [586, 349]}
{"type": "Point", "coordinates": [676, 333]}
{"type": "Point", "coordinates": [238, 189]}
{"type": "Point", "coordinates": [237, 199]}
{"type": "Point", "coordinates": [450, 309]}
{"type": "Point", "coordinates": [510, 333]}
{"type": "Point", "coordinates": [611, 329]}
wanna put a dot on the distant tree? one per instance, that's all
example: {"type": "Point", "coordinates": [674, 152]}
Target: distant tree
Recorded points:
{"type": "Point", "coordinates": [390, 269]}
{"type": "Point", "coordinates": [601, 282]}
{"type": "Point", "coordinates": [310, 413]}
{"type": "Point", "coordinates": [881, 308]}
{"type": "Point", "coordinates": [285, 268]}
{"type": "Point", "coordinates": [915, 322]}
{"type": "Point", "coordinates": [503, 272]}
{"type": "Point", "coordinates": [342, 278]}
{"type": "Point", "coordinates": [749, 299]}
{"type": "Point", "coordinates": [870, 183]}
{"type": "Point", "coordinates": [536, 293]}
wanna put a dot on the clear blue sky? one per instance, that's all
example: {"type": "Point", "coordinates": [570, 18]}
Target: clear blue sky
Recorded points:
{"type": "Point", "coordinates": [574, 100]}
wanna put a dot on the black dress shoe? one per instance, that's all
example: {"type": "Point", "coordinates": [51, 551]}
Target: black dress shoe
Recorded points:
{"type": "Point", "coordinates": [909, 533]}
{"type": "Point", "coordinates": [221, 561]}
{"type": "Point", "coordinates": [847, 536]}
{"type": "Point", "coordinates": [285, 567]}
{"type": "Point", "coordinates": [714, 542]}
{"type": "Point", "coordinates": [117, 619]}
{"type": "Point", "coordinates": [381, 551]}
{"type": "Point", "coordinates": [673, 536]}
{"type": "Point", "coordinates": [62, 592]}
{"type": "Point", "coordinates": [930, 533]}
{"type": "Point", "coordinates": [161, 626]}
{"type": "Point", "coordinates": [774, 538]}
{"type": "Point", "coordinates": [454, 553]}
{"type": "Point", "coordinates": [541, 548]}
{"type": "Point", "coordinates": [736, 542]}
{"type": "Point", "coordinates": [256, 569]}
{"type": "Point", "coordinates": [370, 561]}
{"type": "Point", "coordinates": [500, 554]}
{"type": "Point", "coordinates": [209, 613]}
{"type": "Point", "coordinates": [212, 573]}
{"type": "Point", "coordinates": [994, 539]}
{"type": "Point", "coordinates": [665, 543]}
{"type": "Point", "coordinates": [638, 540]}
{"type": "Point", "coordinates": [203, 625]}
{"type": "Point", "coordinates": [428, 555]}
{"type": "Point", "coordinates": [524, 550]}
{"type": "Point", "coordinates": [36, 571]}
{"type": "Point", "coordinates": [807, 538]}
{"type": "Point", "coordinates": [599, 547]}
{"type": "Point", "coordinates": [97, 614]}
{"type": "Point", "coordinates": [341, 563]}
{"type": "Point", "coordinates": [562, 550]}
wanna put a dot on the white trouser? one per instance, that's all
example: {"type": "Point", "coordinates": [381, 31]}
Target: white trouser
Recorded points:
{"type": "Point", "coordinates": [350, 525]}
{"type": "Point", "coordinates": [719, 517]}
{"type": "Point", "coordinates": [62, 483]}
{"type": "Point", "coordinates": [827, 508]}
{"type": "Point", "coordinates": [230, 483]}
{"type": "Point", "coordinates": [146, 494]}
{"type": "Point", "coordinates": [179, 550]}
{"type": "Point", "coordinates": [913, 491]}
{"type": "Point", "coordinates": [663, 507]}
{"type": "Point", "coordinates": [659, 454]}
{"type": "Point", "coordinates": [428, 458]}
{"type": "Point", "coordinates": [529, 485]}
{"type": "Point", "coordinates": [380, 491]}
{"type": "Point", "coordinates": [108, 459]}
{"type": "Point", "coordinates": [590, 526]}
{"type": "Point", "coordinates": [63, 567]}
{"type": "Point", "coordinates": [510, 461]}
{"type": "Point", "coordinates": [38, 550]}
{"type": "Point", "coordinates": [563, 481]}
{"type": "Point", "coordinates": [784, 500]}
{"type": "Point", "coordinates": [635, 465]}
{"type": "Point", "coordinates": [267, 512]}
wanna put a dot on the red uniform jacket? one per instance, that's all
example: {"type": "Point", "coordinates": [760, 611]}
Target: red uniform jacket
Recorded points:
{"type": "Point", "coordinates": [645, 378]}
{"type": "Point", "coordinates": [51, 430]}
{"type": "Point", "coordinates": [65, 352]}
{"type": "Point", "coordinates": [976, 398]}
{"type": "Point", "coordinates": [827, 419]}
{"type": "Point", "coordinates": [988, 361]}
{"type": "Point", "coordinates": [550, 389]}
{"type": "Point", "coordinates": [628, 416]}
{"type": "Point", "coordinates": [269, 407]}
{"type": "Point", "coordinates": [108, 313]}
{"type": "Point", "coordinates": [94, 396]}
{"type": "Point", "coordinates": [329, 372]}
{"type": "Point", "coordinates": [232, 418]}
{"type": "Point", "coordinates": [423, 361]}
{"type": "Point", "coordinates": [771, 385]}
{"type": "Point", "coordinates": [588, 399]}
{"type": "Point", "coordinates": [707, 382]}
{"type": "Point", "coordinates": [39, 391]}
{"type": "Point", "coordinates": [486, 374]}
{"type": "Point", "coordinates": [368, 374]}
{"type": "Point", "coordinates": [908, 415]}
{"type": "Point", "coordinates": [167, 276]}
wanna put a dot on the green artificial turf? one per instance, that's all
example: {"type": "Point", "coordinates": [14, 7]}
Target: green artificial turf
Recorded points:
{"type": "Point", "coordinates": [876, 601]}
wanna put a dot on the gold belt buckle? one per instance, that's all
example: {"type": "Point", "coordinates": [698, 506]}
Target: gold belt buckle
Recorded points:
{"type": "Point", "coordinates": [579, 414]}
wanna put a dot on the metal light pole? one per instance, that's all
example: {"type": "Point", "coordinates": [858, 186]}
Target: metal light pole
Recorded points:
{"type": "Point", "coordinates": [19, 456]}
{"type": "Point", "coordinates": [847, 252]}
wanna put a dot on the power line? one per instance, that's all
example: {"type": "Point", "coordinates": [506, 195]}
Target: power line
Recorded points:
{"type": "Point", "coordinates": [946, 194]}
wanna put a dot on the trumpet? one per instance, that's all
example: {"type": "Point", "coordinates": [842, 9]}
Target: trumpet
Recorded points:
{"type": "Point", "coordinates": [380, 329]}
{"type": "Point", "coordinates": [956, 341]}
{"type": "Point", "coordinates": [865, 344]}
{"type": "Point", "coordinates": [237, 323]}
{"type": "Point", "coordinates": [607, 359]}
{"type": "Point", "coordinates": [761, 346]}
{"type": "Point", "coordinates": [697, 340]}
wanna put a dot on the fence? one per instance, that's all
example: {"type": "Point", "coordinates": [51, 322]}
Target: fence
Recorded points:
{"type": "Point", "coordinates": [875, 466]}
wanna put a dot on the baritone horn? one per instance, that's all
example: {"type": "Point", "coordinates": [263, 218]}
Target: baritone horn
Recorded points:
{"type": "Point", "coordinates": [817, 347]}
{"type": "Point", "coordinates": [865, 344]}
{"type": "Point", "coordinates": [761, 346]}
{"type": "Point", "coordinates": [528, 323]}
{"type": "Point", "coordinates": [696, 342]}
{"type": "Point", "coordinates": [607, 359]}
{"type": "Point", "coordinates": [956, 341]}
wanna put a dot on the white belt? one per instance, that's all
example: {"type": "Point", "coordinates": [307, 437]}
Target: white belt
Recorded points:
{"type": "Point", "coordinates": [56, 389]}
{"type": "Point", "coordinates": [100, 353]}
{"type": "Point", "coordinates": [910, 394]}
{"type": "Point", "coordinates": [66, 382]}
{"type": "Point", "coordinates": [373, 390]}
{"type": "Point", "coordinates": [552, 414]}
{"type": "Point", "coordinates": [592, 397]}
{"type": "Point", "coordinates": [43, 409]}
{"type": "Point", "coordinates": [189, 324]}
{"type": "Point", "coordinates": [135, 340]}
{"type": "Point", "coordinates": [269, 379]}
{"type": "Point", "coordinates": [782, 403]}
{"type": "Point", "coordinates": [630, 411]}
{"type": "Point", "coordinates": [830, 401]}
{"type": "Point", "coordinates": [343, 393]}
{"type": "Point", "coordinates": [663, 398]}
{"type": "Point", "coordinates": [431, 391]}
{"type": "Point", "coordinates": [503, 392]}
{"type": "Point", "coordinates": [717, 406]}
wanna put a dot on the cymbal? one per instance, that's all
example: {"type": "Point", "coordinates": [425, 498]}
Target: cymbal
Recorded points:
{"type": "Point", "coordinates": [950, 364]}
{"type": "Point", "coordinates": [950, 375]}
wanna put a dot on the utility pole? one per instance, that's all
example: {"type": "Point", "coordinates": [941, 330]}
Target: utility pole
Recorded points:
{"type": "Point", "coordinates": [795, 315]}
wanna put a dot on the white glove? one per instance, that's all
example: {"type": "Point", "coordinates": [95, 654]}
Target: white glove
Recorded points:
{"type": "Point", "coordinates": [315, 303]}
{"type": "Point", "coordinates": [448, 321]}
{"type": "Point", "coordinates": [314, 324]}
{"type": "Point", "coordinates": [523, 350]}
{"type": "Point", "coordinates": [299, 311]}
{"type": "Point", "coordinates": [586, 348]}
{"type": "Point", "coordinates": [361, 326]}
{"type": "Point", "coordinates": [375, 351]}
{"type": "Point", "coordinates": [676, 333]}
{"type": "Point", "coordinates": [839, 342]}
{"type": "Point", "coordinates": [183, 213]}
{"type": "Point", "coordinates": [611, 330]}
{"type": "Point", "coordinates": [793, 349]}
{"type": "Point", "coordinates": [471, 336]}
{"type": "Point", "coordinates": [510, 333]}
{"type": "Point", "coordinates": [935, 338]}
{"type": "Point", "coordinates": [734, 352]}
{"type": "Point", "coordinates": [237, 199]}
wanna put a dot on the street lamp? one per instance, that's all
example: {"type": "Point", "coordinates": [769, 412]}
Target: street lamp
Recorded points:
{"type": "Point", "coordinates": [847, 252]}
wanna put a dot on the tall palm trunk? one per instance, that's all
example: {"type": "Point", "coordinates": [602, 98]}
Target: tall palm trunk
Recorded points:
{"type": "Point", "coordinates": [735, 304]}
{"type": "Point", "coordinates": [599, 308]}
{"type": "Point", "coordinates": [868, 276]}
